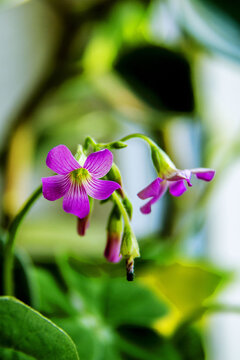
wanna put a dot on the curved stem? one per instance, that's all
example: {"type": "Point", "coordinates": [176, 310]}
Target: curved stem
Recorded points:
{"type": "Point", "coordinates": [89, 141]}
{"type": "Point", "coordinates": [9, 253]}
{"type": "Point", "coordinates": [140, 136]}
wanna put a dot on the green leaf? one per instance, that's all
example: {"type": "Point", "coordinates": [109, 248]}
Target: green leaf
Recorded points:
{"type": "Point", "coordinates": [185, 286]}
{"type": "Point", "coordinates": [122, 305]}
{"type": "Point", "coordinates": [145, 343]}
{"type": "Point", "coordinates": [30, 335]}
{"type": "Point", "coordinates": [52, 299]}
{"type": "Point", "coordinates": [188, 342]}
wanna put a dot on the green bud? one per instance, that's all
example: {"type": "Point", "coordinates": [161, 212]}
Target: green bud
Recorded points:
{"type": "Point", "coordinates": [161, 161]}
{"type": "Point", "coordinates": [80, 156]}
{"type": "Point", "coordinates": [114, 174]}
{"type": "Point", "coordinates": [117, 145]}
{"type": "Point", "coordinates": [115, 221]}
{"type": "Point", "coordinates": [129, 248]}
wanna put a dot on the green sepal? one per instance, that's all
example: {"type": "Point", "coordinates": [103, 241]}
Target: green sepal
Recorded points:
{"type": "Point", "coordinates": [161, 161]}
{"type": "Point", "coordinates": [115, 221]}
{"type": "Point", "coordinates": [129, 248]}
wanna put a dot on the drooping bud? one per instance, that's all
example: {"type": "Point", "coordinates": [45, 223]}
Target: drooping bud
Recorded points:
{"type": "Point", "coordinates": [129, 246]}
{"type": "Point", "coordinates": [114, 236]}
{"type": "Point", "coordinates": [83, 224]}
{"type": "Point", "coordinates": [129, 250]}
{"type": "Point", "coordinates": [117, 145]}
{"type": "Point", "coordinates": [162, 163]}
{"type": "Point", "coordinates": [115, 175]}
{"type": "Point", "coordinates": [114, 145]}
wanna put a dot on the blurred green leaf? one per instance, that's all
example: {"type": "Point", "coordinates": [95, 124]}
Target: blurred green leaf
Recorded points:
{"type": "Point", "coordinates": [185, 286]}
{"type": "Point", "coordinates": [159, 76]}
{"type": "Point", "coordinates": [30, 335]}
{"type": "Point", "coordinates": [52, 299]}
{"type": "Point", "coordinates": [189, 344]}
{"type": "Point", "coordinates": [145, 343]}
{"type": "Point", "coordinates": [122, 305]}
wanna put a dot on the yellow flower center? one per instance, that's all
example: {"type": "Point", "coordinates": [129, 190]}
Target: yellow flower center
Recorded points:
{"type": "Point", "coordinates": [80, 175]}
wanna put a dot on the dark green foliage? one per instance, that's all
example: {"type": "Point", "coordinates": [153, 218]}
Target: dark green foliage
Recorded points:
{"type": "Point", "coordinates": [161, 77]}
{"type": "Point", "coordinates": [189, 344]}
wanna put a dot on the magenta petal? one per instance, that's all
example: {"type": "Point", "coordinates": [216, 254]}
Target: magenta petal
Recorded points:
{"type": "Point", "coordinates": [61, 160]}
{"type": "Point", "coordinates": [204, 174]}
{"type": "Point", "coordinates": [151, 190]}
{"type": "Point", "coordinates": [54, 187]}
{"type": "Point", "coordinates": [100, 189]}
{"type": "Point", "coordinates": [158, 190]}
{"type": "Point", "coordinates": [99, 163]}
{"type": "Point", "coordinates": [177, 188]}
{"type": "Point", "coordinates": [76, 201]}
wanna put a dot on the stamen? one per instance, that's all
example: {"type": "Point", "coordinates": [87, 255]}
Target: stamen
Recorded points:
{"type": "Point", "coordinates": [80, 175]}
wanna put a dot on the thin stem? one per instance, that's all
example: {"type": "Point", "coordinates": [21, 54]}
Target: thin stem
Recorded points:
{"type": "Point", "coordinates": [89, 141]}
{"type": "Point", "coordinates": [140, 136]}
{"type": "Point", "coordinates": [9, 247]}
{"type": "Point", "coordinates": [121, 207]}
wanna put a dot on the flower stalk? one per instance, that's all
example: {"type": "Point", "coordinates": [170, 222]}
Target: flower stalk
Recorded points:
{"type": "Point", "coordinates": [8, 264]}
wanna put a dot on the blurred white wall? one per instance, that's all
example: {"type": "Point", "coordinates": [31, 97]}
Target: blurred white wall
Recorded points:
{"type": "Point", "coordinates": [219, 86]}
{"type": "Point", "coordinates": [29, 35]}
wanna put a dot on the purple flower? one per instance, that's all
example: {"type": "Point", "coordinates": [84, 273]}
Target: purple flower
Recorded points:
{"type": "Point", "coordinates": [174, 182]}
{"type": "Point", "coordinates": [75, 182]}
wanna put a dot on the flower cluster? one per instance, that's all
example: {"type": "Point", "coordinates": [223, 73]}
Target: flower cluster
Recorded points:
{"type": "Point", "coordinates": [79, 181]}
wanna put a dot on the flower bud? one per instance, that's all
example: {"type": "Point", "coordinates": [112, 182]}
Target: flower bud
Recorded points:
{"type": "Point", "coordinates": [115, 175]}
{"type": "Point", "coordinates": [162, 163]}
{"type": "Point", "coordinates": [83, 224]}
{"type": "Point", "coordinates": [80, 156]}
{"type": "Point", "coordinates": [129, 248]}
{"type": "Point", "coordinates": [114, 236]}
{"type": "Point", "coordinates": [117, 145]}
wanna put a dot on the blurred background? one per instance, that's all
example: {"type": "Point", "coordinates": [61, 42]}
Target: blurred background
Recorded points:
{"type": "Point", "coordinates": [165, 68]}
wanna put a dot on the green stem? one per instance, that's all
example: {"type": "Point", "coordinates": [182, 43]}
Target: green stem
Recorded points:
{"type": "Point", "coordinates": [89, 141]}
{"type": "Point", "coordinates": [121, 207]}
{"type": "Point", "coordinates": [140, 136]}
{"type": "Point", "coordinates": [9, 247]}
